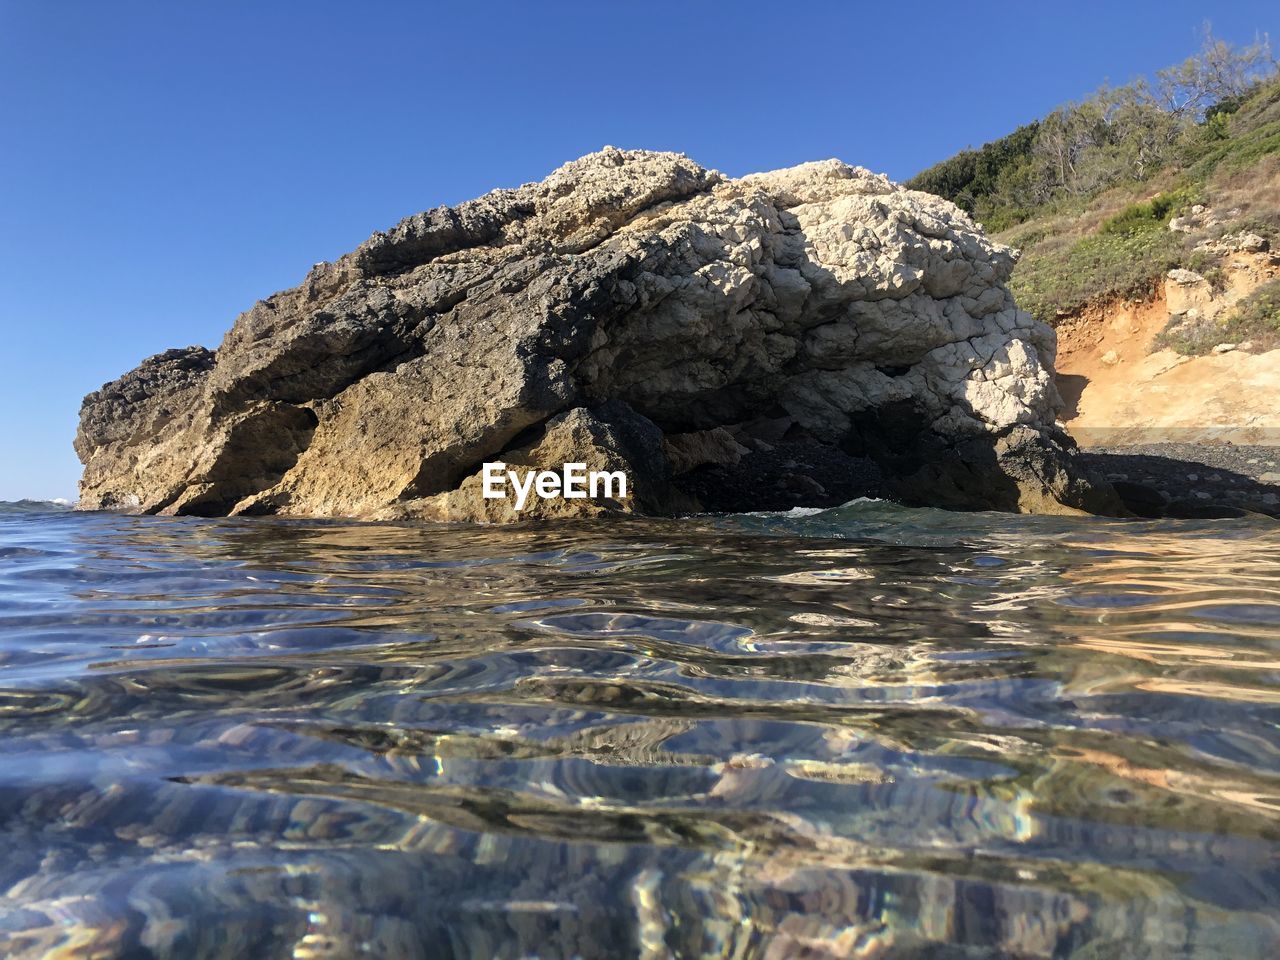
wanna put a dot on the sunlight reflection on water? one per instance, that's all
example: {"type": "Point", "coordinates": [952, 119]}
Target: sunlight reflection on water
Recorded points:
{"type": "Point", "coordinates": [867, 731]}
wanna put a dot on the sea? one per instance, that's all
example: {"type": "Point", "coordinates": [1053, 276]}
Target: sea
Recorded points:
{"type": "Point", "coordinates": [868, 731]}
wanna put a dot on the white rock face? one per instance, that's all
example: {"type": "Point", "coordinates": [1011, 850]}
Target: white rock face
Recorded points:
{"type": "Point", "coordinates": [816, 276]}
{"type": "Point", "coordinates": [1242, 242]}
{"type": "Point", "coordinates": [821, 304]}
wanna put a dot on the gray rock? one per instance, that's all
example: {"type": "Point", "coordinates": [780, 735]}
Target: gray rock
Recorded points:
{"type": "Point", "coordinates": [635, 308]}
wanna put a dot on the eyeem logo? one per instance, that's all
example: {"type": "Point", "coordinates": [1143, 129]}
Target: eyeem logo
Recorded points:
{"type": "Point", "coordinates": [572, 483]}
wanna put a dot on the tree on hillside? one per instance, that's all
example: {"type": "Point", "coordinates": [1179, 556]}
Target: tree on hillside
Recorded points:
{"type": "Point", "coordinates": [1219, 73]}
{"type": "Point", "coordinates": [1118, 134]}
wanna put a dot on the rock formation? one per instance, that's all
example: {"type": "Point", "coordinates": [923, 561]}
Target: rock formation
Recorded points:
{"type": "Point", "coordinates": [802, 336]}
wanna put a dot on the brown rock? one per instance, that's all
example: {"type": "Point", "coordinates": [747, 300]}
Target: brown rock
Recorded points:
{"type": "Point", "coordinates": [633, 309]}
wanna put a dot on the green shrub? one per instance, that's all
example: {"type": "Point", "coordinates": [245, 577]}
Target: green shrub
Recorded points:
{"type": "Point", "coordinates": [1256, 319]}
{"type": "Point", "coordinates": [1260, 143]}
{"type": "Point", "coordinates": [1208, 266]}
{"type": "Point", "coordinates": [1191, 338]}
{"type": "Point", "coordinates": [972, 178]}
{"type": "Point", "coordinates": [1097, 267]}
{"type": "Point", "coordinates": [1151, 214]}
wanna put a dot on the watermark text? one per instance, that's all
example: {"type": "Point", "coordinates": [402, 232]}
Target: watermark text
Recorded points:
{"type": "Point", "coordinates": [573, 482]}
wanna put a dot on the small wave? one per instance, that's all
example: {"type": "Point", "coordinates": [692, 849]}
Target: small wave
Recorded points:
{"type": "Point", "coordinates": [56, 505]}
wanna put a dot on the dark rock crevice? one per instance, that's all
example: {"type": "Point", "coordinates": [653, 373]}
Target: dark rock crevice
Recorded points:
{"type": "Point", "coordinates": [250, 455]}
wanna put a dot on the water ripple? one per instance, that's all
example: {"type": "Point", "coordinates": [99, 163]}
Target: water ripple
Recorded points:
{"type": "Point", "coordinates": [857, 732]}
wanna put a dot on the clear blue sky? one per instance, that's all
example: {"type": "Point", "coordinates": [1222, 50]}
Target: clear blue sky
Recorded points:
{"type": "Point", "coordinates": [164, 164]}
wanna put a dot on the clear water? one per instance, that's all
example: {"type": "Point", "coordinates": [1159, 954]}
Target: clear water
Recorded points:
{"type": "Point", "coordinates": [862, 732]}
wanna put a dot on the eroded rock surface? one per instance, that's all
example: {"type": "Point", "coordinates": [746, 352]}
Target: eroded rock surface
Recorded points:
{"type": "Point", "coordinates": [801, 336]}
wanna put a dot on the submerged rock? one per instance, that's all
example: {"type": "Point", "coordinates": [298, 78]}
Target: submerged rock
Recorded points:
{"type": "Point", "coordinates": [806, 336]}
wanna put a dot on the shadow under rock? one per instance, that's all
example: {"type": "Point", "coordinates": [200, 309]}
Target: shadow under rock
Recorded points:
{"type": "Point", "coordinates": [1070, 388]}
{"type": "Point", "coordinates": [789, 474]}
{"type": "Point", "coordinates": [1157, 486]}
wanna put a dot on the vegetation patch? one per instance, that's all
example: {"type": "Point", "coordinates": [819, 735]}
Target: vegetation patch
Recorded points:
{"type": "Point", "coordinates": [1087, 193]}
{"type": "Point", "coordinates": [1220, 106]}
{"type": "Point", "coordinates": [1097, 267]}
{"type": "Point", "coordinates": [1255, 320]}
{"type": "Point", "coordinates": [1151, 214]}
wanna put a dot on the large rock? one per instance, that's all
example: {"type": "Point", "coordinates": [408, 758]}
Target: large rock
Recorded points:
{"type": "Point", "coordinates": [805, 336]}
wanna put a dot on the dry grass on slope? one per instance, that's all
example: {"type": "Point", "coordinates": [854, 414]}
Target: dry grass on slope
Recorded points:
{"type": "Point", "coordinates": [1118, 245]}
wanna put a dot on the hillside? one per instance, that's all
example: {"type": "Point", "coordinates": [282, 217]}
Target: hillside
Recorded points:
{"type": "Point", "coordinates": [1148, 220]}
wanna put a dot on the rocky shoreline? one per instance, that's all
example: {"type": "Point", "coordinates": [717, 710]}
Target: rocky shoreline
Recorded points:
{"type": "Point", "coordinates": [1191, 480]}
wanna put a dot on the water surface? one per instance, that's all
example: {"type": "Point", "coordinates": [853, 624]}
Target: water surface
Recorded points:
{"type": "Point", "coordinates": [861, 732]}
